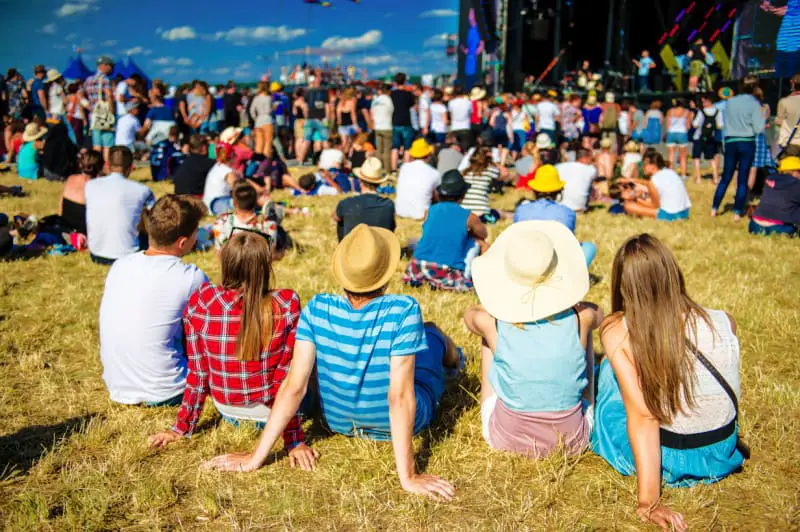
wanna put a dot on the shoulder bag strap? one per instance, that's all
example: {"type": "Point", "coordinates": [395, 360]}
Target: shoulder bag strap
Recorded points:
{"type": "Point", "coordinates": [716, 374]}
{"type": "Point", "coordinates": [789, 140]}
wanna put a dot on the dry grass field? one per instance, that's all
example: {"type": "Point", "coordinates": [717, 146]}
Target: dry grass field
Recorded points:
{"type": "Point", "coordinates": [70, 459]}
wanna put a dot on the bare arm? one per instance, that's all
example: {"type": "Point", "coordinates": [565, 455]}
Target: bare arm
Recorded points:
{"type": "Point", "coordinates": [476, 227]}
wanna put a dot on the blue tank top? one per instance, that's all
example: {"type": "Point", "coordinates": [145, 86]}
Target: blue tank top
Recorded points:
{"type": "Point", "coordinates": [540, 367]}
{"type": "Point", "coordinates": [445, 239]}
{"type": "Point", "coordinates": [500, 123]}
{"type": "Point", "coordinates": [652, 130]}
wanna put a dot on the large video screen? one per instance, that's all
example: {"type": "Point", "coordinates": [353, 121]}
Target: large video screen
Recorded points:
{"type": "Point", "coordinates": [767, 39]}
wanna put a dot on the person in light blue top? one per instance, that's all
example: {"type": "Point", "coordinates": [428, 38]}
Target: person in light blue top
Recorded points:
{"type": "Point", "coordinates": [28, 157]}
{"type": "Point", "coordinates": [743, 121]}
{"type": "Point", "coordinates": [381, 370]}
{"type": "Point", "coordinates": [787, 45]}
{"type": "Point", "coordinates": [644, 65]}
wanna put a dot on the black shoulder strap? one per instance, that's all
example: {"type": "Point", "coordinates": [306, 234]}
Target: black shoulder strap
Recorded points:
{"type": "Point", "coordinates": [716, 374]}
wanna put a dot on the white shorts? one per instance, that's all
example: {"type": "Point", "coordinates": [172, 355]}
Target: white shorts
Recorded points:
{"type": "Point", "coordinates": [487, 409]}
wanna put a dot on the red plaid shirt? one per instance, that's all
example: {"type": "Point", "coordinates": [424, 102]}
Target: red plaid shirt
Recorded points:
{"type": "Point", "coordinates": [211, 323]}
{"type": "Point", "coordinates": [95, 87]}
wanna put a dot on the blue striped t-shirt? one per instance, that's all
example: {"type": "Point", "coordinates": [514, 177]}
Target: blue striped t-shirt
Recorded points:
{"type": "Point", "coordinates": [353, 352]}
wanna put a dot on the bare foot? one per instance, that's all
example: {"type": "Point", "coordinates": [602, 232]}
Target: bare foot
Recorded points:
{"type": "Point", "coordinates": [736, 218]}
{"type": "Point", "coordinates": [713, 213]}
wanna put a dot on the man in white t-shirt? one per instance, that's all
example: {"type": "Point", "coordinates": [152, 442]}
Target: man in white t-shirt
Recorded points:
{"type": "Point", "coordinates": [578, 177]}
{"type": "Point", "coordinates": [128, 127]}
{"type": "Point", "coordinates": [548, 113]}
{"type": "Point", "coordinates": [382, 109]}
{"type": "Point", "coordinates": [416, 182]}
{"type": "Point", "coordinates": [141, 313]}
{"type": "Point", "coordinates": [460, 109]}
{"type": "Point", "coordinates": [122, 95]}
{"type": "Point", "coordinates": [114, 206]}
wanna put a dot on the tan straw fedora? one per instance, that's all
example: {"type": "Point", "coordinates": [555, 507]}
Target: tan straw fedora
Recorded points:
{"type": "Point", "coordinates": [533, 270]}
{"type": "Point", "coordinates": [33, 132]}
{"type": "Point", "coordinates": [366, 259]}
{"type": "Point", "coordinates": [371, 171]}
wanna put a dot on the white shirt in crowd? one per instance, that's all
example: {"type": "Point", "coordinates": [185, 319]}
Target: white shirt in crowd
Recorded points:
{"type": "Point", "coordinates": [55, 98]}
{"type": "Point", "coordinates": [465, 162]}
{"type": "Point", "coordinates": [460, 112]}
{"type": "Point", "coordinates": [628, 160]}
{"type": "Point", "coordinates": [127, 127]}
{"type": "Point", "coordinates": [122, 90]}
{"type": "Point", "coordinates": [424, 105]}
{"type": "Point", "coordinates": [331, 158]}
{"type": "Point", "coordinates": [323, 188]}
{"type": "Point", "coordinates": [141, 327]}
{"type": "Point", "coordinates": [114, 206]}
{"type": "Point", "coordinates": [672, 194]}
{"type": "Point", "coordinates": [438, 111]}
{"type": "Point", "coordinates": [700, 119]}
{"type": "Point", "coordinates": [548, 113]}
{"type": "Point", "coordinates": [578, 178]}
{"type": "Point", "coordinates": [415, 185]}
{"type": "Point", "coordinates": [217, 185]}
{"type": "Point", "coordinates": [382, 109]}
{"type": "Point", "coordinates": [518, 119]}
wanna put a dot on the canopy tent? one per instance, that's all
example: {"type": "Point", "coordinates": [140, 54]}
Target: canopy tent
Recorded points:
{"type": "Point", "coordinates": [76, 69]}
{"type": "Point", "coordinates": [127, 70]}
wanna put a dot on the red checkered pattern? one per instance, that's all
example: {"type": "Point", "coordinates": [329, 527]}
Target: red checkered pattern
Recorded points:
{"type": "Point", "coordinates": [95, 86]}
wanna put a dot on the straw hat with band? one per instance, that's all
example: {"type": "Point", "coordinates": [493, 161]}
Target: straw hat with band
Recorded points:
{"type": "Point", "coordinates": [631, 146]}
{"type": "Point", "coordinates": [543, 141]}
{"type": "Point", "coordinates": [53, 75]}
{"type": "Point", "coordinates": [789, 164]}
{"type": "Point", "coordinates": [230, 135]}
{"type": "Point", "coordinates": [453, 185]}
{"type": "Point", "coordinates": [533, 270]}
{"type": "Point", "coordinates": [420, 149]}
{"type": "Point", "coordinates": [546, 180]}
{"type": "Point", "coordinates": [366, 259]}
{"type": "Point", "coordinates": [477, 93]}
{"type": "Point", "coordinates": [371, 171]}
{"type": "Point", "coordinates": [33, 132]}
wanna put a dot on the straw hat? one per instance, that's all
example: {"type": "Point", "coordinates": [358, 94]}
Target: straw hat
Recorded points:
{"type": "Point", "coordinates": [420, 149]}
{"type": "Point", "coordinates": [371, 171]}
{"type": "Point", "coordinates": [53, 75]}
{"type": "Point", "coordinates": [230, 135]}
{"type": "Point", "coordinates": [533, 270]}
{"type": "Point", "coordinates": [546, 180]}
{"type": "Point", "coordinates": [33, 132]}
{"type": "Point", "coordinates": [366, 258]}
{"type": "Point", "coordinates": [789, 164]}
{"type": "Point", "coordinates": [631, 146]}
{"type": "Point", "coordinates": [543, 141]}
{"type": "Point", "coordinates": [477, 93]}
{"type": "Point", "coordinates": [605, 143]}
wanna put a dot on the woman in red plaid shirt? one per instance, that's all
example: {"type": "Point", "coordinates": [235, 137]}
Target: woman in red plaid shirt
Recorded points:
{"type": "Point", "coordinates": [225, 328]}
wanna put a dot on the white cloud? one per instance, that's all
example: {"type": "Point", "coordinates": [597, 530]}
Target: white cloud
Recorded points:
{"type": "Point", "coordinates": [220, 71]}
{"type": "Point", "coordinates": [369, 39]}
{"type": "Point", "coordinates": [163, 61]}
{"type": "Point", "coordinates": [184, 61]}
{"type": "Point", "coordinates": [68, 9]}
{"type": "Point", "coordinates": [247, 65]}
{"type": "Point", "coordinates": [167, 71]}
{"type": "Point", "coordinates": [71, 36]}
{"type": "Point", "coordinates": [59, 46]}
{"type": "Point", "coordinates": [110, 42]}
{"type": "Point", "coordinates": [243, 35]}
{"type": "Point", "coordinates": [440, 39]}
{"type": "Point", "coordinates": [49, 29]}
{"type": "Point", "coordinates": [434, 13]}
{"type": "Point", "coordinates": [181, 33]}
{"type": "Point", "coordinates": [137, 50]}
{"type": "Point", "coordinates": [376, 60]}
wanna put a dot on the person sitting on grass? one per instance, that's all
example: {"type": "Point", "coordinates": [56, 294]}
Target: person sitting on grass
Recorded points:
{"type": "Point", "coordinates": [537, 361]}
{"type": "Point", "coordinates": [451, 237]}
{"type": "Point", "coordinates": [666, 200]}
{"type": "Point", "coordinates": [394, 363]}
{"type": "Point", "coordinates": [779, 209]}
{"type": "Point", "coordinates": [481, 175]}
{"type": "Point", "coordinates": [30, 152]}
{"type": "Point", "coordinates": [145, 295]}
{"type": "Point", "coordinates": [416, 182]}
{"type": "Point", "coordinates": [360, 151]}
{"type": "Point", "coordinates": [220, 181]}
{"type": "Point", "coordinates": [245, 215]}
{"type": "Point", "coordinates": [114, 206]}
{"type": "Point", "coordinates": [240, 338]}
{"type": "Point", "coordinates": [72, 212]}
{"type": "Point", "coordinates": [368, 207]}
{"type": "Point", "coordinates": [190, 177]}
{"type": "Point", "coordinates": [667, 404]}
{"type": "Point", "coordinates": [319, 184]}
{"type": "Point", "coordinates": [547, 188]}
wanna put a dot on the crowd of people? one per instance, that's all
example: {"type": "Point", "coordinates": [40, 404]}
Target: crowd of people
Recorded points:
{"type": "Point", "coordinates": [663, 404]}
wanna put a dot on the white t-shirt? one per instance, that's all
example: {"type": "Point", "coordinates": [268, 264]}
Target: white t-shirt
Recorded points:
{"type": "Point", "coordinates": [114, 207]}
{"type": "Point", "coordinates": [438, 112]}
{"type": "Point", "coordinates": [415, 185]}
{"type": "Point", "coordinates": [141, 327]}
{"type": "Point", "coordinates": [672, 193]}
{"type": "Point", "coordinates": [331, 158]}
{"type": "Point", "coordinates": [578, 178]}
{"type": "Point", "coordinates": [424, 109]}
{"type": "Point", "coordinates": [382, 109]}
{"type": "Point", "coordinates": [548, 112]}
{"type": "Point", "coordinates": [628, 160]}
{"type": "Point", "coordinates": [122, 90]}
{"type": "Point", "coordinates": [55, 98]}
{"type": "Point", "coordinates": [460, 112]}
{"type": "Point", "coordinates": [518, 119]}
{"type": "Point", "coordinates": [700, 119]}
{"type": "Point", "coordinates": [127, 127]}
{"type": "Point", "coordinates": [217, 185]}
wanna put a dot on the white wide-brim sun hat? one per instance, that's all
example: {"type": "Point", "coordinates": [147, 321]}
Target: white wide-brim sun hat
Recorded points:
{"type": "Point", "coordinates": [533, 270]}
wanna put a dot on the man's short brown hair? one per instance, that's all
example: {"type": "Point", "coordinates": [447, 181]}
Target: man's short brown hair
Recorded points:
{"type": "Point", "coordinates": [173, 217]}
{"type": "Point", "coordinates": [120, 157]}
{"type": "Point", "coordinates": [245, 196]}
{"type": "Point", "coordinates": [197, 143]}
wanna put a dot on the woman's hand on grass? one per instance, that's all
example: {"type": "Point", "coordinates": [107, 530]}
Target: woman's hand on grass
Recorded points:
{"type": "Point", "coordinates": [303, 457]}
{"type": "Point", "coordinates": [434, 487]}
{"type": "Point", "coordinates": [662, 516]}
{"type": "Point", "coordinates": [162, 439]}
{"type": "Point", "coordinates": [238, 462]}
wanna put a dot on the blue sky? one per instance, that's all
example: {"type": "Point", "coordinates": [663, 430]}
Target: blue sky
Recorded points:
{"type": "Point", "coordinates": [216, 41]}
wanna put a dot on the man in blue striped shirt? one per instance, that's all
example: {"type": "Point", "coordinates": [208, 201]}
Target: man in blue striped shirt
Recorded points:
{"type": "Point", "coordinates": [381, 369]}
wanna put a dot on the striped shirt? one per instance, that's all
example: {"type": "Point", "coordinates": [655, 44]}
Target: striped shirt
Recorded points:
{"type": "Point", "coordinates": [354, 348]}
{"type": "Point", "coordinates": [789, 33]}
{"type": "Point", "coordinates": [477, 197]}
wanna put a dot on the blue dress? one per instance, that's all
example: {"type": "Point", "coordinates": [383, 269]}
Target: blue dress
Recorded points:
{"type": "Point", "coordinates": [652, 130]}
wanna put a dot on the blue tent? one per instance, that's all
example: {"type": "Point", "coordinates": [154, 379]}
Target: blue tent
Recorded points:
{"type": "Point", "coordinates": [76, 69]}
{"type": "Point", "coordinates": [133, 68]}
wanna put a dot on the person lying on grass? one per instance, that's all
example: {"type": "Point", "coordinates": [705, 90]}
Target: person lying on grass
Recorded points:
{"type": "Point", "coordinates": [661, 412]}
{"type": "Point", "coordinates": [381, 370]}
{"type": "Point", "coordinates": [537, 361]}
{"type": "Point", "coordinates": [225, 327]}
{"type": "Point", "coordinates": [145, 295]}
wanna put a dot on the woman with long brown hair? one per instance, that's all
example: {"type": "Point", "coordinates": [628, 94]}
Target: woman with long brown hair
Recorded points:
{"type": "Point", "coordinates": [480, 174]}
{"type": "Point", "coordinates": [347, 118]}
{"type": "Point", "coordinates": [240, 338]}
{"type": "Point", "coordinates": [667, 404]}
{"type": "Point", "coordinates": [261, 113]}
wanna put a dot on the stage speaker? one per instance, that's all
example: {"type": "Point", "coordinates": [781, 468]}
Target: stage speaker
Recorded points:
{"type": "Point", "coordinates": [540, 29]}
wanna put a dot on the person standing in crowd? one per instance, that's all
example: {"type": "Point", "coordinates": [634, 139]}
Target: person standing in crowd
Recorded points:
{"type": "Point", "coordinates": [114, 206]}
{"type": "Point", "coordinates": [261, 113]}
{"type": "Point", "coordinates": [678, 119]}
{"type": "Point", "coordinates": [417, 182]}
{"type": "Point", "coordinates": [231, 106]}
{"type": "Point", "coordinates": [145, 296]}
{"type": "Point", "coordinates": [56, 95]}
{"type": "Point", "coordinates": [38, 93]}
{"type": "Point", "coordinates": [666, 200]}
{"type": "Point", "coordinates": [500, 124]}
{"type": "Point", "coordinates": [363, 106]}
{"type": "Point", "coordinates": [437, 112]}
{"type": "Point", "coordinates": [743, 121]}
{"type": "Point", "coordinates": [707, 124]}
{"type": "Point", "coordinates": [653, 125]}
{"type": "Point", "coordinates": [547, 117]}
{"type": "Point", "coordinates": [77, 111]}
{"type": "Point", "coordinates": [644, 65]}
{"type": "Point", "coordinates": [460, 108]}
{"type": "Point", "coordinates": [668, 387]}
{"type": "Point", "coordinates": [368, 207]}
{"type": "Point", "coordinates": [320, 114]}
{"type": "Point", "coordinates": [101, 103]}
{"type": "Point", "coordinates": [788, 116]}
{"type": "Point", "coordinates": [609, 121]}
{"type": "Point", "coordinates": [280, 116]}
{"type": "Point", "coordinates": [571, 118]}
{"type": "Point", "coordinates": [347, 117]}
{"type": "Point", "coordinates": [591, 121]}
{"type": "Point", "coordinates": [197, 107]}
{"type": "Point", "coordinates": [382, 110]}
{"type": "Point", "coordinates": [402, 130]}
{"type": "Point", "coordinates": [478, 112]}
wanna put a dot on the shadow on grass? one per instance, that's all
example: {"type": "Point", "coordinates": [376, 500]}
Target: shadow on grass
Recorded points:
{"type": "Point", "coordinates": [20, 450]}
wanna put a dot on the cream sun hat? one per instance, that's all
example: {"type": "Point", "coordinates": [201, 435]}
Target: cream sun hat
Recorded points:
{"type": "Point", "coordinates": [534, 269]}
{"type": "Point", "coordinates": [371, 171]}
{"type": "Point", "coordinates": [230, 135]}
{"type": "Point", "coordinates": [366, 259]}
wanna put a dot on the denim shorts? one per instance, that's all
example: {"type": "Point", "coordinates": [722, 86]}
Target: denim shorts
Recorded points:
{"type": "Point", "coordinates": [402, 137]}
{"type": "Point", "coordinates": [665, 216]}
{"type": "Point", "coordinates": [347, 131]}
{"type": "Point", "coordinates": [677, 139]}
{"type": "Point", "coordinates": [102, 139]}
{"type": "Point", "coordinates": [315, 131]}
